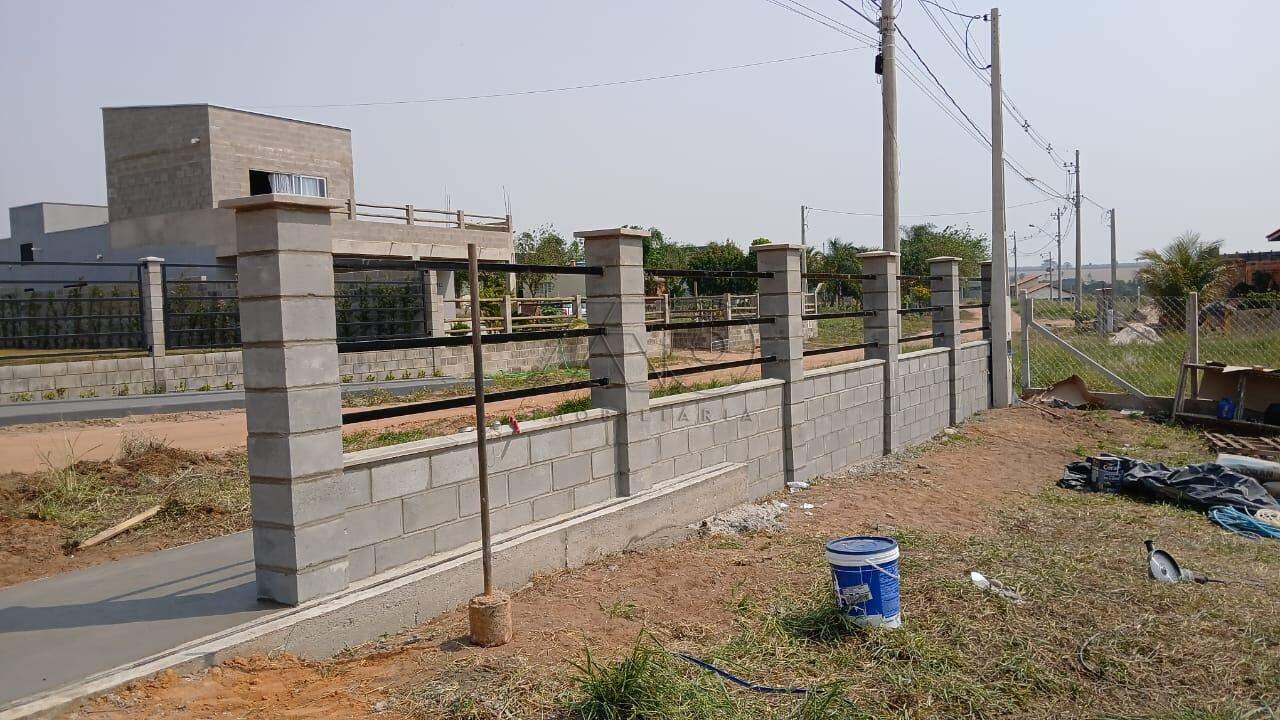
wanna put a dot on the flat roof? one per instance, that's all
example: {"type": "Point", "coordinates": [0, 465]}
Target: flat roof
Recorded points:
{"type": "Point", "coordinates": [229, 109]}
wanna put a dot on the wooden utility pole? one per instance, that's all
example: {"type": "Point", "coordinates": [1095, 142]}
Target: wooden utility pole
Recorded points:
{"type": "Point", "coordinates": [1001, 339]}
{"type": "Point", "coordinates": [1079, 244]}
{"type": "Point", "coordinates": [889, 107]}
{"type": "Point", "coordinates": [489, 614]}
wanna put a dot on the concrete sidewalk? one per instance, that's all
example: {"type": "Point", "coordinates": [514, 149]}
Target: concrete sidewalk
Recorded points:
{"type": "Point", "coordinates": [62, 629]}
{"type": "Point", "coordinates": [40, 411]}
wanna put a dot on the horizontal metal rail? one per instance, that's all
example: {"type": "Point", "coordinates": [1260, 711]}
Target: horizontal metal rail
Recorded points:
{"type": "Point", "coordinates": [921, 310]}
{"type": "Point", "coordinates": [920, 277]}
{"type": "Point", "coordinates": [68, 263]}
{"type": "Point", "coordinates": [127, 298]}
{"type": "Point", "coordinates": [840, 348]}
{"type": "Point", "coordinates": [974, 306]}
{"type": "Point", "coordinates": [69, 335]}
{"type": "Point", "coordinates": [461, 340]}
{"type": "Point", "coordinates": [26, 318]}
{"type": "Point", "coordinates": [76, 282]}
{"type": "Point", "coordinates": [693, 324]}
{"type": "Point", "coordinates": [355, 264]}
{"type": "Point", "coordinates": [192, 266]}
{"type": "Point", "coordinates": [980, 328]}
{"type": "Point", "coordinates": [76, 352]}
{"type": "Point", "coordinates": [836, 276]}
{"type": "Point", "coordinates": [666, 272]}
{"type": "Point", "coordinates": [450, 403]}
{"type": "Point", "coordinates": [695, 369]}
{"type": "Point", "coordinates": [833, 315]}
{"type": "Point", "coordinates": [925, 336]}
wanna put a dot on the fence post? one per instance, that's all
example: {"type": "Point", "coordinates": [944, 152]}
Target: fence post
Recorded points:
{"type": "Point", "coordinates": [728, 306]}
{"type": "Point", "coordinates": [666, 307]}
{"type": "Point", "coordinates": [944, 292]}
{"type": "Point", "coordinates": [577, 307]}
{"type": "Point", "coordinates": [298, 498]}
{"type": "Point", "coordinates": [880, 295]}
{"type": "Point", "coordinates": [615, 303]}
{"type": "Point", "coordinates": [782, 298]}
{"type": "Point", "coordinates": [351, 208]}
{"type": "Point", "coordinates": [1102, 311]}
{"type": "Point", "coordinates": [1028, 314]}
{"type": "Point", "coordinates": [462, 220]}
{"type": "Point", "coordinates": [408, 214]}
{"type": "Point", "coordinates": [1193, 339]}
{"type": "Point", "coordinates": [507, 323]}
{"type": "Point", "coordinates": [153, 304]}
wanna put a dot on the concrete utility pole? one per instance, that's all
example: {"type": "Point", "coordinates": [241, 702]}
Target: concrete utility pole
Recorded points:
{"type": "Point", "coordinates": [1013, 258]}
{"type": "Point", "coordinates": [1057, 215]}
{"type": "Point", "coordinates": [889, 106]}
{"type": "Point", "coordinates": [1079, 271]}
{"type": "Point", "coordinates": [1001, 339]}
{"type": "Point", "coordinates": [1113, 251]}
{"type": "Point", "coordinates": [804, 249]}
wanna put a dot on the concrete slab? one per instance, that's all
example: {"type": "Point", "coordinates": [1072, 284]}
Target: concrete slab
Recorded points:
{"type": "Point", "coordinates": [61, 629]}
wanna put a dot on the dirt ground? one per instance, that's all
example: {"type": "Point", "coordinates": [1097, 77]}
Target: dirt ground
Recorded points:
{"type": "Point", "coordinates": [953, 488]}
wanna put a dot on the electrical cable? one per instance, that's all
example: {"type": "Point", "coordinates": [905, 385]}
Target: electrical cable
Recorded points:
{"type": "Point", "coordinates": [567, 88]}
{"type": "Point", "coordinates": [1242, 523]}
{"type": "Point", "coordinates": [937, 214]}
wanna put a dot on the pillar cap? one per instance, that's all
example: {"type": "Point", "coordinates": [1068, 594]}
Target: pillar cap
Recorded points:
{"type": "Point", "coordinates": [613, 232]}
{"type": "Point", "coordinates": [150, 259]}
{"type": "Point", "coordinates": [271, 200]}
{"type": "Point", "coordinates": [944, 258]}
{"type": "Point", "coordinates": [776, 246]}
{"type": "Point", "coordinates": [879, 254]}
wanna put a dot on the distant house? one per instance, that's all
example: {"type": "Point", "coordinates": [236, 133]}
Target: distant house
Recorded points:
{"type": "Point", "coordinates": [1259, 270]}
{"type": "Point", "coordinates": [1039, 286]}
{"type": "Point", "coordinates": [1274, 236]}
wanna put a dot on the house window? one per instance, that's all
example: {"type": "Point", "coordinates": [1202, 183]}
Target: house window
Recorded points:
{"type": "Point", "coordinates": [262, 182]}
{"type": "Point", "coordinates": [26, 252]}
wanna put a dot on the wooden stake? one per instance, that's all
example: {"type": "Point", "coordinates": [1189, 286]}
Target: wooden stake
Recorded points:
{"type": "Point", "coordinates": [120, 527]}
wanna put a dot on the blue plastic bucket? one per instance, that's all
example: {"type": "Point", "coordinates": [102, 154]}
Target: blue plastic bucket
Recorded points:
{"type": "Point", "coordinates": [864, 573]}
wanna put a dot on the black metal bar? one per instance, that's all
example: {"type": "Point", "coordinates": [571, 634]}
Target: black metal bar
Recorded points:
{"type": "Point", "coordinates": [74, 352]}
{"type": "Point", "coordinates": [836, 276]}
{"type": "Point", "coordinates": [235, 313]}
{"type": "Point", "coordinates": [449, 403]}
{"type": "Point", "coordinates": [694, 369]}
{"type": "Point", "coordinates": [926, 336]}
{"type": "Point", "coordinates": [348, 263]}
{"type": "Point", "coordinates": [980, 328]}
{"type": "Point", "coordinates": [920, 277]}
{"type": "Point", "coordinates": [67, 263]}
{"type": "Point", "coordinates": [80, 282]}
{"type": "Point", "coordinates": [665, 272]}
{"type": "Point", "coordinates": [74, 299]}
{"type": "Point", "coordinates": [460, 340]}
{"type": "Point", "coordinates": [840, 348]}
{"type": "Point", "coordinates": [63, 317]}
{"type": "Point", "coordinates": [974, 306]}
{"type": "Point", "coordinates": [654, 327]}
{"type": "Point", "coordinates": [920, 310]}
{"type": "Point", "coordinates": [69, 336]}
{"type": "Point", "coordinates": [832, 315]}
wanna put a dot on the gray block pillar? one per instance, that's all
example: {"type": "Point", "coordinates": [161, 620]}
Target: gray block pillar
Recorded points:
{"type": "Point", "coordinates": [881, 295]}
{"type": "Point", "coordinates": [433, 296]}
{"type": "Point", "coordinates": [944, 292]}
{"type": "Point", "coordinates": [782, 298]}
{"type": "Point", "coordinates": [153, 303]}
{"type": "Point", "coordinates": [615, 302]}
{"type": "Point", "coordinates": [292, 401]}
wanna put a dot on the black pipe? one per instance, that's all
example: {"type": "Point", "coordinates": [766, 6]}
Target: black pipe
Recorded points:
{"type": "Point", "coordinates": [827, 316]}
{"type": "Point", "coordinates": [694, 369]}
{"type": "Point", "coordinates": [449, 403]}
{"type": "Point", "coordinates": [840, 348]}
{"type": "Point", "coordinates": [460, 340]}
{"type": "Point", "coordinates": [653, 327]}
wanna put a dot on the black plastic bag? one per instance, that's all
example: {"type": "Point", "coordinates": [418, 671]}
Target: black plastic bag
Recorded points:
{"type": "Point", "coordinates": [1201, 486]}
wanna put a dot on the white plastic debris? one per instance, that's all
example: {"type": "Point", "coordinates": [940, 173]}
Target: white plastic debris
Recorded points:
{"type": "Point", "coordinates": [982, 582]}
{"type": "Point", "coordinates": [798, 484]}
{"type": "Point", "coordinates": [807, 506]}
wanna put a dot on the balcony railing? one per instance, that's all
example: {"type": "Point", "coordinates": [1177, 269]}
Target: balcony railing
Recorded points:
{"type": "Point", "coordinates": [410, 215]}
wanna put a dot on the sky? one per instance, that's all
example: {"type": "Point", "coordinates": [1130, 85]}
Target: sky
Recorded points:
{"type": "Point", "coordinates": [1173, 106]}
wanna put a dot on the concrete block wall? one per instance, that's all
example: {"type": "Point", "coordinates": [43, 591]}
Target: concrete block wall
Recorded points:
{"type": "Point", "coordinates": [738, 424]}
{"type": "Point", "coordinates": [973, 378]}
{"type": "Point", "coordinates": [844, 411]}
{"type": "Point", "coordinates": [923, 394]}
{"type": "Point", "coordinates": [408, 501]}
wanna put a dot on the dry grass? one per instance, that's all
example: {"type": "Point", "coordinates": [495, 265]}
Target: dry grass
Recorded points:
{"type": "Point", "coordinates": [201, 495]}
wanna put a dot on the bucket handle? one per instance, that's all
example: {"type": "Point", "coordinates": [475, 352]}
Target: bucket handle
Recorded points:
{"type": "Point", "coordinates": [886, 572]}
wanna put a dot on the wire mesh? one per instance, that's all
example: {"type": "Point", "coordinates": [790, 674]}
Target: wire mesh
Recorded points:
{"type": "Point", "coordinates": [1144, 340]}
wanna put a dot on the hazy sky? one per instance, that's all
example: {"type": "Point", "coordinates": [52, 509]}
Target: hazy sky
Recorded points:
{"type": "Point", "coordinates": [1174, 105]}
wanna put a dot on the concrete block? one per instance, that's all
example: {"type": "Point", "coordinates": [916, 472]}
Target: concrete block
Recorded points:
{"type": "Point", "coordinates": [288, 457]}
{"type": "Point", "coordinates": [604, 463]}
{"type": "Point", "coordinates": [549, 444]}
{"type": "Point", "coordinates": [287, 320]}
{"type": "Point", "coordinates": [557, 503]}
{"type": "Point", "coordinates": [374, 523]}
{"type": "Point", "coordinates": [299, 547]}
{"type": "Point", "coordinates": [360, 563]}
{"type": "Point", "coordinates": [294, 411]}
{"type": "Point", "coordinates": [299, 502]}
{"type": "Point", "coordinates": [469, 494]}
{"type": "Point", "coordinates": [358, 486]}
{"type": "Point", "coordinates": [589, 435]}
{"type": "Point", "coordinates": [400, 478]}
{"type": "Point", "coordinates": [403, 549]}
{"type": "Point", "coordinates": [296, 366]}
{"type": "Point", "coordinates": [458, 533]}
{"type": "Point", "coordinates": [528, 482]}
{"type": "Point", "coordinates": [292, 588]}
{"type": "Point", "coordinates": [570, 471]}
{"type": "Point", "coordinates": [431, 508]}
{"type": "Point", "coordinates": [508, 453]}
{"type": "Point", "coordinates": [593, 492]}
{"type": "Point", "coordinates": [454, 465]}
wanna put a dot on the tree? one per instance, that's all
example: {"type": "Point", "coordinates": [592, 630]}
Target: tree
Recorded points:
{"type": "Point", "coordinates": [722, 256]}
{"type": "Point", "coordinates": [543, 246]}
{"type": "Point", "coordinates": [1186, 265]}
{"type": "Point", "coordinates": [841, 258]}
{"type": "Point", "coordinates": [921, 242]}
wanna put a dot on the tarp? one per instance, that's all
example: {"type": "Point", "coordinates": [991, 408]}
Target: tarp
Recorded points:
{"type": "Point", "coordinates": [1202, 486]}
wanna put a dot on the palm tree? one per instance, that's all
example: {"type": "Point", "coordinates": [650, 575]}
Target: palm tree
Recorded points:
{"type": "Point", "coordinates": [1185, 265]}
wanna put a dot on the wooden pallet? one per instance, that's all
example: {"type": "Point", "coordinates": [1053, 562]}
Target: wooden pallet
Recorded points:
{"type": "Point", "coordinates": [1267, 448]}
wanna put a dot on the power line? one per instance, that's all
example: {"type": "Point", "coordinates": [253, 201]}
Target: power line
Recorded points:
{"type": "Point", "coordinates": [825, 20]}
{"type": "Point", "coordinates": [935, 214]}
{"type": "Point", "coordinates": [567, 88]}
{"type": "Point", "coordinates": [954, 12]}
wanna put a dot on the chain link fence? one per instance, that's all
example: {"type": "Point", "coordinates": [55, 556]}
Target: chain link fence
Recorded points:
{"type": "Point", "coordinates": [1143, 341]}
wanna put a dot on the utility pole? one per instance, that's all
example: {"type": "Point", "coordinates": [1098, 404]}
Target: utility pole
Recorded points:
{"type": "Point", "coordinates": [1113, 252]}
{"type": "Point", "coordinates": [804, 249]}
{"type": "Point", "coordinates": [1001, 339]}
{"type": "Point", "coordinates": [889, 110]}
{"type": "Point", "coordinates": [1057, 215]}
{"type": "Point", "coordinates": [1079, 244]}
{"type": "Point", "coordinates": [1013, 259]}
